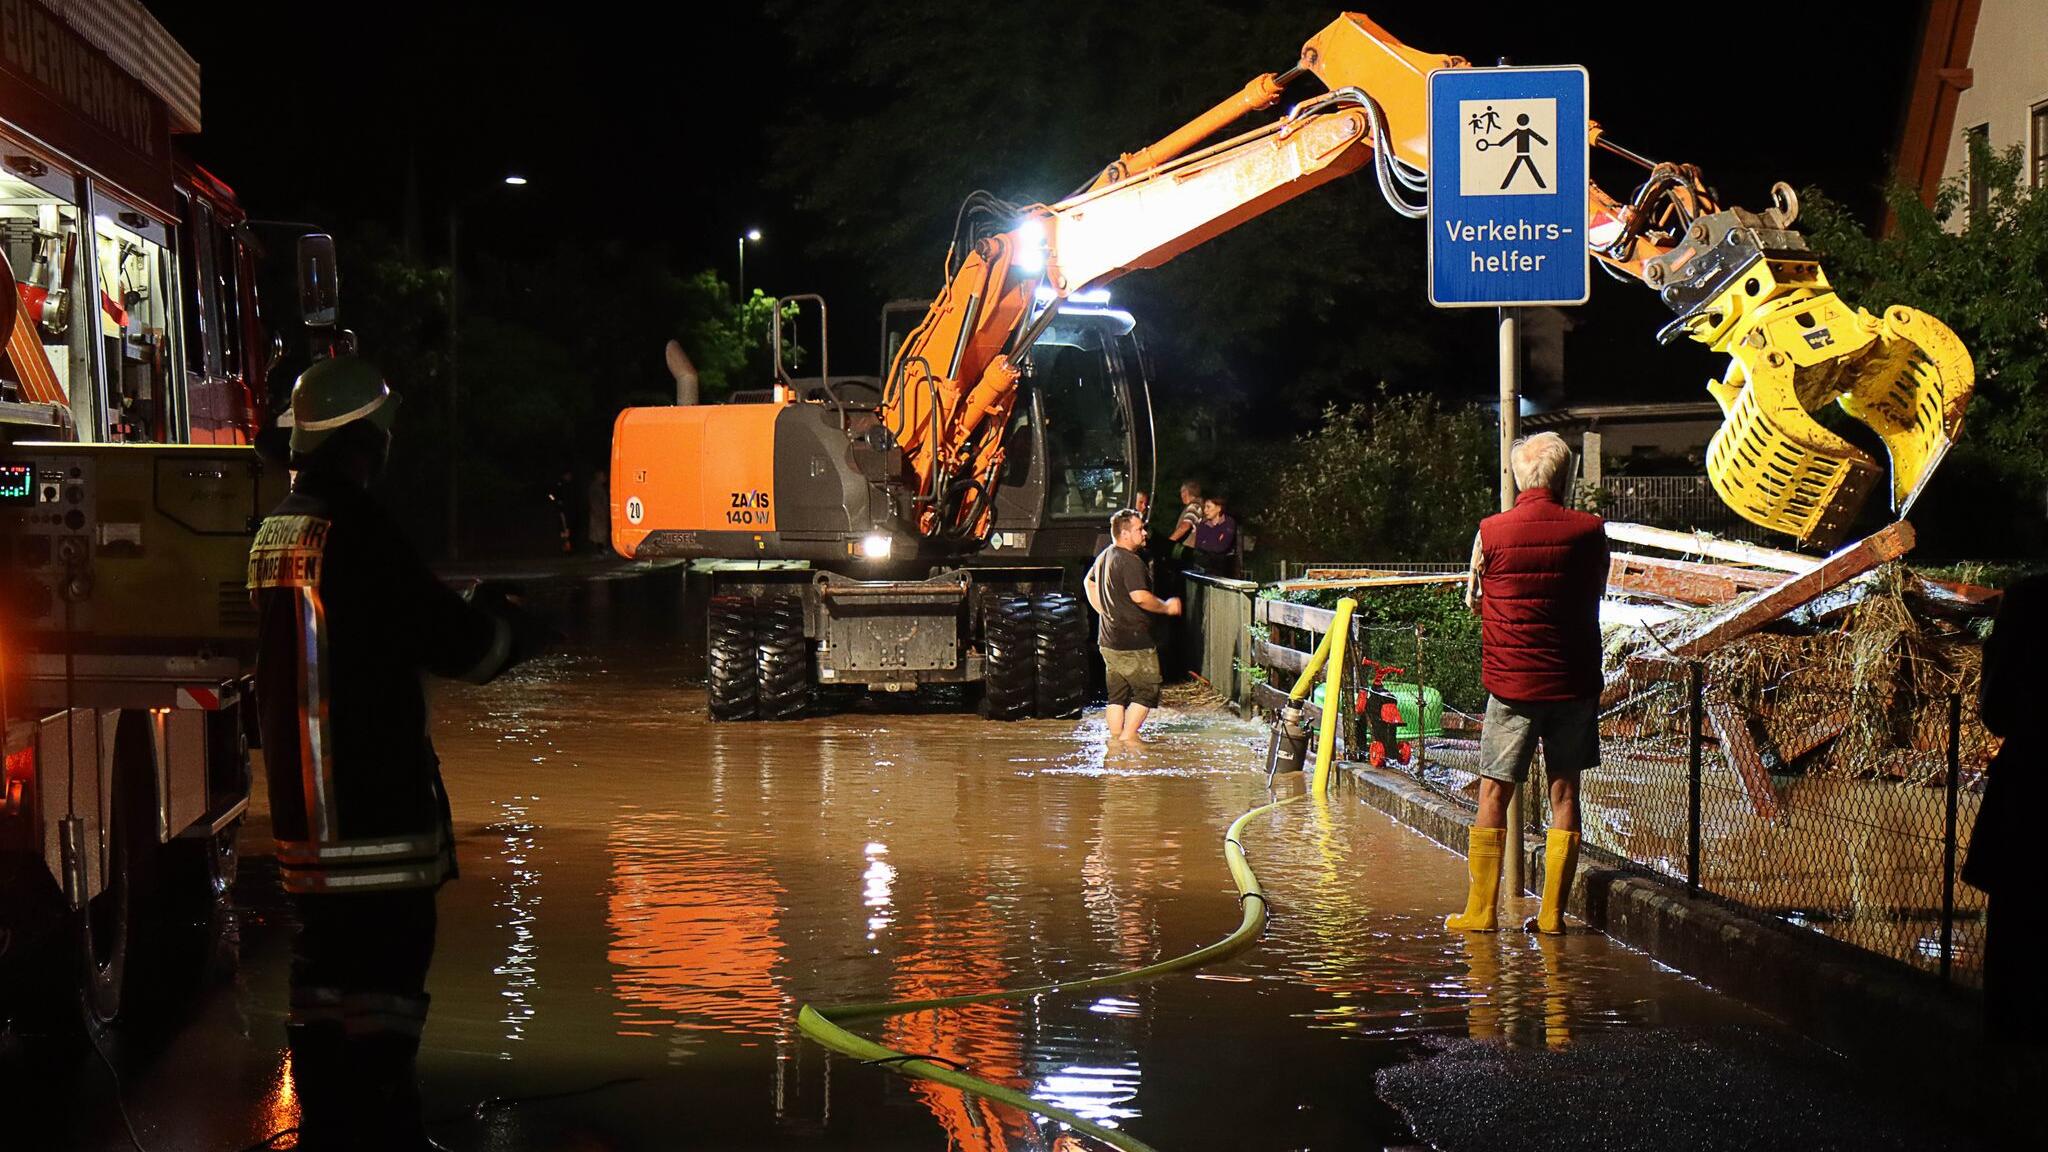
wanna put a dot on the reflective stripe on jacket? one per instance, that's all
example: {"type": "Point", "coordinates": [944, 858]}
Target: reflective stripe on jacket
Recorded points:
{"type": "Point", "coordinates": [348, 617]}
{"type": "Point", "coordinates": [1543, 571]}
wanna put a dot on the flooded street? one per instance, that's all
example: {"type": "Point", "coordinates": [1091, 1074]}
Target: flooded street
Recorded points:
{"type": "Point", "coordinates": [646, 898]}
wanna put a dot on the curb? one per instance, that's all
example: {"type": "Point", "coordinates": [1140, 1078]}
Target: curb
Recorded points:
{"type": "Point", "coordinates": [1832, 991]}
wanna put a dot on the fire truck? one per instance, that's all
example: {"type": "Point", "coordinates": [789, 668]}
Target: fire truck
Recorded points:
{"type": "Point", "coordinates": [131, 392]}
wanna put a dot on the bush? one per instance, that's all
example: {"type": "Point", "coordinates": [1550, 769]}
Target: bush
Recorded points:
{"type": "Point", "coordinates": [1387, 619]}
{"type": "Point", "coordinates": [1401, 478]}
{"type": "Point", "coordinates": [1984, 274]}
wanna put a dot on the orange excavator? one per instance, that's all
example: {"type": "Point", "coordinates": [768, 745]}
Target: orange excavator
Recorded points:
{"type": "Point", "coordinates": [908, 495]}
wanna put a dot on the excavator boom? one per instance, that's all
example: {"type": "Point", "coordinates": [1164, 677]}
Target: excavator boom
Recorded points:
{"type": "Point", "coordinates": [1741, 283]}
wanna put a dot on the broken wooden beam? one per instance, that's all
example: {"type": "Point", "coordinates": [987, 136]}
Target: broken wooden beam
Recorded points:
{"type": "Point", "coordinates": [1635, 672]}
{"type": "Point", "coordinates": [1761, 608]}
{"type": "Point", "coordinates": [1731, 731]}
{"type": "Point", "coordinates": [1701, 544]}
{"type": "Point", "coordinates": [1685, 581]}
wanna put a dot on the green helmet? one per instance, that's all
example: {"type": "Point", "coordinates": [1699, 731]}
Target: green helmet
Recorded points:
{"type": "Point", "coordinates": [337, 392]}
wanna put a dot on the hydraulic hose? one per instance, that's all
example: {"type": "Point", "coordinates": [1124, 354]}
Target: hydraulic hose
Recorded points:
{"type": "Point", "coordinates": [822, 1024]}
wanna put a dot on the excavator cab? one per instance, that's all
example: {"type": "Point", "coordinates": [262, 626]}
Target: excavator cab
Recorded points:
{"type": "Point", "coordinates": [1079, 443]}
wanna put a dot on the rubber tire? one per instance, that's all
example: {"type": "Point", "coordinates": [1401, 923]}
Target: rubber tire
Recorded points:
{"type": "Point", "coordinates": [122, 930]}
{"type": "Point", "coordinates": [1009, 668]}
{"type": "Point", "coordinates": [733, 678]}
{"type": "Point", "coordinates": [1061, 627]}
{"type": "Point", "coordinates": [784, 656]}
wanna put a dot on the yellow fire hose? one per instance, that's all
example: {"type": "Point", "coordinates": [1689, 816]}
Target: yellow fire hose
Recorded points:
{"type": "Point", "coordinates": [822, 1024]}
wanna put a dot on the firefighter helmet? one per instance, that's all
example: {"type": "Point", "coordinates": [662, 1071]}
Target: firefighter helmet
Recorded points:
{"type": "Point", "coordinates": [334, 393]}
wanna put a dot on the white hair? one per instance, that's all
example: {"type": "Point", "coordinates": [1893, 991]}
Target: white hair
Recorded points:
{"type": "Point", "coordinates": [1541, 461]}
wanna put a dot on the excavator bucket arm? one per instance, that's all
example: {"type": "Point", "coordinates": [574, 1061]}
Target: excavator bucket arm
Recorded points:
{"type": "Point", "coordinates": [1745, 285]}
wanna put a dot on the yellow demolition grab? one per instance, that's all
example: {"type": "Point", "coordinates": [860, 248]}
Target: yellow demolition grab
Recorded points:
{"type": "Point", "coordinates": [1795, 347]}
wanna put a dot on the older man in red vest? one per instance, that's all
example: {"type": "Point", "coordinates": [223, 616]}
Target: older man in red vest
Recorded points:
{"type": "Point", "coordinates": [1538, 573]}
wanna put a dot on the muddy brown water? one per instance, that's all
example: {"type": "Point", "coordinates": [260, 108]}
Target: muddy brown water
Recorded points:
{"type": "Point", "coordinates": [647, 897]}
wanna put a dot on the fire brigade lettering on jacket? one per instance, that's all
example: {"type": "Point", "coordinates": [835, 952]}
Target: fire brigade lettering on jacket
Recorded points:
{"type": "Point", "coordinates": [286, 553]}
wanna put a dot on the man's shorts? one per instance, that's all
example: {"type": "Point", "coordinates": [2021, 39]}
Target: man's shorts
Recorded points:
{"type": "Point", "coordinates": [1569, 729]}
{"type": "Point", "coordinates": [1133, 676]}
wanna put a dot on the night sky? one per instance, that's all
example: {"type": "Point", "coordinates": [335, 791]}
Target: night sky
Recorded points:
{"type": "Point", "coordinates": [650, 121]}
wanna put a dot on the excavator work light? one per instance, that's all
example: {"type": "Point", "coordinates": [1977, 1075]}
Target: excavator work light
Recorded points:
{"type": "Point", "coordinates": [876, 546]}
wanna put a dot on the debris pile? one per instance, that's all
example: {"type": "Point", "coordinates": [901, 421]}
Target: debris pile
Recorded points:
{"type": "Point", "coordinates": [1842, 667]}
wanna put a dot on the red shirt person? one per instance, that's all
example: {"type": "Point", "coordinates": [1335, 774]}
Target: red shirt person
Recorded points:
{"type": "Point", "coordinates": [1539, 571]}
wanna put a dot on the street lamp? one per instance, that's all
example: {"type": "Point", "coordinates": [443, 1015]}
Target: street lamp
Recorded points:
{"type": "Point", "coordinates": [454, 445]}
{"type": "Point", "coordinates": [753, 234]}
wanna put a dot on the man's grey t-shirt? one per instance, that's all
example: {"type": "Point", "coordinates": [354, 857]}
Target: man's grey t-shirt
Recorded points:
{"type": "Point", "coordinates": [1125, 626]}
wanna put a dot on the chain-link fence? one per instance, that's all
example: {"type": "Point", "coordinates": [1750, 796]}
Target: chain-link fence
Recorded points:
{"type": "Point", "coordinates": [1840, 805]}
{"type": "Point", "coordinates": [1841, 810]}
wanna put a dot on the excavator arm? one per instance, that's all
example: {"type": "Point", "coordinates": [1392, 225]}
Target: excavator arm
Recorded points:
{"type": "Point", "coordinates": [1742, 283]}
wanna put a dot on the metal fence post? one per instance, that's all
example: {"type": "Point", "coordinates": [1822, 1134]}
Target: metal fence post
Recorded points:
{"type": "Point", "coordinates": [1421, 707]}
{"type": "Point", "coordinates": [1948, 839]}
{"type": "Point", "coordinates": [1696, 683]}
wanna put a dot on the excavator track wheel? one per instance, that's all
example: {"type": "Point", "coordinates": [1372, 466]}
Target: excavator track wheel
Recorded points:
{"type": "Point", "coordinates": [733, 679]}
{"type": "Point", "coordinates": [1062, 632]}
{"type": "Point", "coordinates": [1009, 670]}
{"type": "Point", "coordinates": [785, 657]}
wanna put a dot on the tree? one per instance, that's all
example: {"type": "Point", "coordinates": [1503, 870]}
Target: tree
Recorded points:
{"type": "Point", "coordinates": [1985, 274]}
{"type": "Point", "coordinates": [1401, 478]}
{"type": "Point", "coordinates": [931, 100]}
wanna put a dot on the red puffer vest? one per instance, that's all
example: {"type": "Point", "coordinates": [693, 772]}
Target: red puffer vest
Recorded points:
{"type": "Point", "coordinates": [1544, 572]}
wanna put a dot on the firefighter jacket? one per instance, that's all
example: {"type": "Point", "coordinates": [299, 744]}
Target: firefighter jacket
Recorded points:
{"type": "Point", "coordinates": [348, 617]}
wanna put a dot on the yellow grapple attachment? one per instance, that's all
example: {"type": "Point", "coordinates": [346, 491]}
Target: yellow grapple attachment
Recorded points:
{"type": "Point", "coordinates": [1795, 347]}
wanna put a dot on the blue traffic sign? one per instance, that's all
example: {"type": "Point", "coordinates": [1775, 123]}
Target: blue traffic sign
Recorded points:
{"type": "Point", "coordinates": [1508, 194]}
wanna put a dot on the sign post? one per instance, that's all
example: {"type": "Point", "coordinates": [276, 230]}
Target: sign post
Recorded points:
{"type": "Point", "coordinates": [1509, 199]}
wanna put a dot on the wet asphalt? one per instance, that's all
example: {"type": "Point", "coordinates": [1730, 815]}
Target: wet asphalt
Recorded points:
{"type": "Point", "coordinates": [647, 897]}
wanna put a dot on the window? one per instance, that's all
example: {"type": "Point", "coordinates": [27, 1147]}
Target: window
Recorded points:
{"type": "Point", "coordinates": [2039, 133]}
{"type": "Point", "coordinates": [1087, 431]}
{"type": "Point", "coordinates": [135, 323]}
{"type": "Point", "coordinates": [196, 265]}
{"type": "Point", "coordinates": [1976, 152]}
{"type": "Point", "coordinates": [48, 350]}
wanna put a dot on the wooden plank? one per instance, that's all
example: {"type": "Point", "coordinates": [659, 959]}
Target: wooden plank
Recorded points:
{"type": "Point", "coordinates": [1279, 658]}
{"type": "Point", "coordinates": [1966, 599]}
{"type": "Point", "coordinates": [1288, 614]}
{"type": "Point", "coordinates": [1701, 544]}
{"type": "Point", "coordinates": [1270, 699]}
{"type": "Point", "coordinates": [1634, 673]}
{"type": "Point", "coordinates": [1682, 580]}
{"type": "Point", "coordinates": [1801, 739]}
{"type": "Point", "coordinates": [1373, 582]}
{"type": "Point", "coordinates": [1739, 748]}
{"type": "Point", "coordinates": [1759, 609]}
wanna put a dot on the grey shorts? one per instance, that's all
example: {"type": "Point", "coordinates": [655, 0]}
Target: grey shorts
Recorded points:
{"type": "Point", "coordinates": [1569, 729]}
{"type": "Point", "coordinates": [1133, 676]}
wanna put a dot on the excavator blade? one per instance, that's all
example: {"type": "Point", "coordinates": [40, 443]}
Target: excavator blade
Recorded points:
{"type": "Point", "coordinates": [1907, 376]}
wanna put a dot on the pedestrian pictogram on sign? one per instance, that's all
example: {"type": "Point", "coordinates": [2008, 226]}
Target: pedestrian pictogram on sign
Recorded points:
{"type": "Point", "coordinates": [1524, 156]}
{"type": "Point", "coordinates": [1508, 192]}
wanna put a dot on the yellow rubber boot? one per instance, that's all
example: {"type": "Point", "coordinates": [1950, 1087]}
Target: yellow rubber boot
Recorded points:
{"type": "Point", "coordinates": [1560, 862]}
{"type": "Point", "coordinates": [1482, 858]}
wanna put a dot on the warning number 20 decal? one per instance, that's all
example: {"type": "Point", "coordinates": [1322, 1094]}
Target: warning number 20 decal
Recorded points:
{"type": "Point", "coordinates": [635, 510]}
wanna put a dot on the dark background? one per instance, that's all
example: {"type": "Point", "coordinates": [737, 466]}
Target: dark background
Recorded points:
{"type": "Point", "coordinates": [849, 132]}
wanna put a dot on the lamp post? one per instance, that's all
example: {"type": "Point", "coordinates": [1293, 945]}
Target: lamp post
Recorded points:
{"type": "Point", "coordinates": [753, 234]}
{"type": "Point", "coordinates": [454, 445]}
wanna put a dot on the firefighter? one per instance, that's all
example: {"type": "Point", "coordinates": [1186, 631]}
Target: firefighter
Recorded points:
{"type": "Point", "coordinates": [349, 616]}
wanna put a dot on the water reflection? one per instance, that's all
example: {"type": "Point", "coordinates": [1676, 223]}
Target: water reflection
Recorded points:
{"type": "Point", "coordinates": [722, 873]}
{"type": "Point", "coordinates": [518, 912]}
{"type": "Point", "coordinates": [695, 930]}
